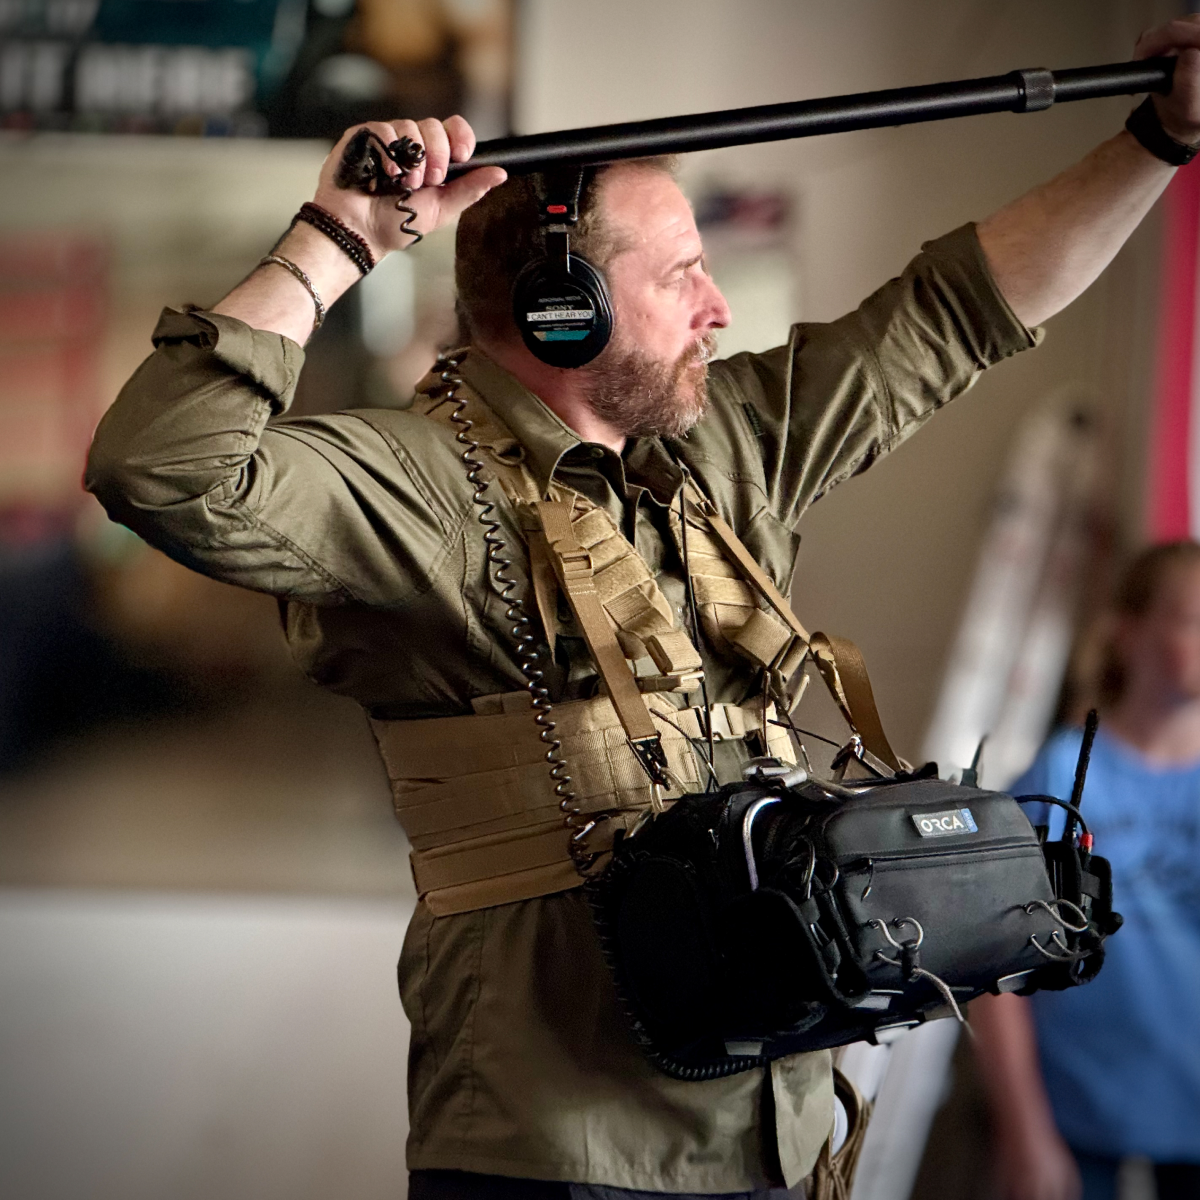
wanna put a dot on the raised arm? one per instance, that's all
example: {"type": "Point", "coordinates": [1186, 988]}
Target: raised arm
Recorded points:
{"type": "Point", "coordinates": [273, 299]}
{"type": "Point", "coordinates": [1047, 247]}
{"type": "Point", "coordinates": [192, 456]}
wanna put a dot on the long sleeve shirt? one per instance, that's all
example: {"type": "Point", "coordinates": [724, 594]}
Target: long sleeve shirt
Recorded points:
{"type": "Point", "coordinates": [364, 524]}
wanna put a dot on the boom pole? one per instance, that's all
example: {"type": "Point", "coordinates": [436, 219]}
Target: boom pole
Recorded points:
{"type": "Point", "coordinates": [1018, 91]}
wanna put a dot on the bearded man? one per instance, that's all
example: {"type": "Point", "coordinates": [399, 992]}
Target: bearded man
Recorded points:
{"type": "Point", "coordinates": [371, 527]}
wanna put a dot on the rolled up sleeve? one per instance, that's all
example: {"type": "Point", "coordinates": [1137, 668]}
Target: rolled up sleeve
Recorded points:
{"type": "Point", "coordinates": [196, 457]}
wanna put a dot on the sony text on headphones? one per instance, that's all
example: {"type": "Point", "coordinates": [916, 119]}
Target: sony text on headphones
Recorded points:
{"type": "Point", "coordinates": [560, 301]}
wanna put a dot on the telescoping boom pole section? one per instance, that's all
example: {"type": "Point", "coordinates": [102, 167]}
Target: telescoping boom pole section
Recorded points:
{"type": "Point", "coordinates": [1018, 91]}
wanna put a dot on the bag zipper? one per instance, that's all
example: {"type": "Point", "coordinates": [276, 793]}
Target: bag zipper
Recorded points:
{"type": "Point", "coordinates": [1011, 843]}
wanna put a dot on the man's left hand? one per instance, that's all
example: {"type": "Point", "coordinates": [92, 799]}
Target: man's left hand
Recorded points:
{"type": "Point", "coordinates": [1179, 111]}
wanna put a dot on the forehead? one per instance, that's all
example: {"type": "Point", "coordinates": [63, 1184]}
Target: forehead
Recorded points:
{"type": "Point", "coordinates": [648, 213]}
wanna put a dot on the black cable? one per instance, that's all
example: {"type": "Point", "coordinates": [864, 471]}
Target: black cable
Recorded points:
{"type": "Point", "coordinates": [790, 724]}
{"type": "Point", "coordinates": [1074, 812]}
{"type": "Point", "coordinates": [680, 729]}
{"type": "Point", "coordinates": [362, 168]}
{"type": "Point", "coordinates": [691, 600]}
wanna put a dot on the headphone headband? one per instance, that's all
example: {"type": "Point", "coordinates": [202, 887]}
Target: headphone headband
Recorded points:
{"type": "Point", "coordinates": [561, 190]}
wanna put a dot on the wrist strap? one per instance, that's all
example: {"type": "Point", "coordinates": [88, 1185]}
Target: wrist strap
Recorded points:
{"type": "Point", "coordinates": [288, 265]}
{"type": "Point", "coordinates": [1145, 125]}
{"type": "Point", "coordinates": [352, 244]}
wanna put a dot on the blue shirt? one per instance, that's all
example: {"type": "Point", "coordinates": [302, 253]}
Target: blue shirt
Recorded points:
{"type": "Point", "coordinates": [1121, 1055]}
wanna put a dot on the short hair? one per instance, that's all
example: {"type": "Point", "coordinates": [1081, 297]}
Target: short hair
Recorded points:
{"type": "Point", "coordinates": [1138, 589]}
{"type": "Point", "coordinates": [1141, 583]}
{"type": "Point", "coordinates": [501, 233]}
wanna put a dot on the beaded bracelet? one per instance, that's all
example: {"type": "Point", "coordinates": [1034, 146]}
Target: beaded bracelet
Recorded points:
{"type": "Point", "coordinates": [288, 265]}
{"type": "Point", "coordinates": [352, 244]}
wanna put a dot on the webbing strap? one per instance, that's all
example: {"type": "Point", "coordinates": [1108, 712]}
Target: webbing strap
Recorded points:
{"type": "Point", "coordinates": [545, 587]}
{"type": "Point", "coordinates": [487, 857]}
{"type": "Point", "coordinates": [754, 573]}
{"type": "Point", "coordinates": [845, 674]}
{"type": "Point", "coordinates": [573, 565]}
{"type": "Point", "coordinates": [839, 660]}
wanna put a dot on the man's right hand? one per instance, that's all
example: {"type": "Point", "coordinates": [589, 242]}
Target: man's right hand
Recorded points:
{"type": "Point", "coordinates": [436, 203]}
{"type": "Point", "coordinates": [272, 299]}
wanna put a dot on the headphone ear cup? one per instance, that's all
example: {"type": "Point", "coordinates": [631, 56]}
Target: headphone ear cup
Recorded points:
{"type": "Point", "coordinates": [563, 310]}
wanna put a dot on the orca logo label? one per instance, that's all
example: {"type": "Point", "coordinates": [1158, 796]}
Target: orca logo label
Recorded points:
{"type": "Point", "coordinates": [945, 824]}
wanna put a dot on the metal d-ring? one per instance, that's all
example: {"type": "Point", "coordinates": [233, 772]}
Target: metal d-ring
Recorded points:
{"type": "Point", "coordinates": [1053, 907]}
{"type": "Point", "coordinates": [1067, 955]}
{"type": "Point", "coordinates": [898, 922]}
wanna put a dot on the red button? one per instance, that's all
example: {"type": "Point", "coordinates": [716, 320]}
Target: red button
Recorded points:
{"type": "Point", "coordinates": [556, 208]}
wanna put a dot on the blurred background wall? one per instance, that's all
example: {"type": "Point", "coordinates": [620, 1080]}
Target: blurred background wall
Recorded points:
{"type": "Point", "coordinates": [203, 889]}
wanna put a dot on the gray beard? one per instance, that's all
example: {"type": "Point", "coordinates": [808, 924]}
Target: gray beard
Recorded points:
{"type": "Point", "coordinates": [643, 398]}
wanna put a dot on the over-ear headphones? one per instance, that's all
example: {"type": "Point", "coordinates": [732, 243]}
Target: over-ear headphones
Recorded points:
{"type": "Point", "coordinates": [560, 301]}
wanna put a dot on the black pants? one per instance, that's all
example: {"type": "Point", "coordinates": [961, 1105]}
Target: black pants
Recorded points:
{"type": "Point", "coordinates": [464, 1185]}
{"type": "Point", "coordinates": [1172, 1181]}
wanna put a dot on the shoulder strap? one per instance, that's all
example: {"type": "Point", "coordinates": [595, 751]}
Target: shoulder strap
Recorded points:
{"type": "Point", "coordinates": [839, 660]}
{"type": "Point", "coordinates": [573, 565]}
{"type": "Point", "coordinates": [845, 674]}
{"type": "Point", "coordinates": [754, 574]}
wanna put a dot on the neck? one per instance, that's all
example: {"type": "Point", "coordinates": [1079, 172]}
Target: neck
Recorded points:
{"type": "Point", "coordinates": [562, 390]}
{"type": "Point", "coordinates": [1165, 728]}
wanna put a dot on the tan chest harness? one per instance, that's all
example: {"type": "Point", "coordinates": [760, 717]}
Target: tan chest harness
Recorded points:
{"type": "Point", "coordinates": [475, 794]}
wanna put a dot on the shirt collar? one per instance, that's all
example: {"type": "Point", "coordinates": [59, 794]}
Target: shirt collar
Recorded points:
{"type": "Point", "coordinates": [546, 437]}
{"type": "Point", "coordinates": [543, 434]}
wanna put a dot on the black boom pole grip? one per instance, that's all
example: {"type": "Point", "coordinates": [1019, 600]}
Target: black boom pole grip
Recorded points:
{"type": "Point", "coordinates": [1018, 91]}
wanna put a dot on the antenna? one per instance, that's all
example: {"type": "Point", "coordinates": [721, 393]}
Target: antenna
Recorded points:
{"type": "Point", "coordinates": [1081, 768]}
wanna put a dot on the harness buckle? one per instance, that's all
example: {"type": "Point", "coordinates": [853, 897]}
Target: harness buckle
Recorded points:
{"type": "Point", "coordinates": [653, 759]}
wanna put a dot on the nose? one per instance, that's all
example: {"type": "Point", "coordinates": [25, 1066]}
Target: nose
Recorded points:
{"type": "Point", "coordinates": [713, 311]}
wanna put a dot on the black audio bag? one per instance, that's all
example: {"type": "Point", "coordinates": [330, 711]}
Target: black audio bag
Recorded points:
{"type": "Point", "coordinates": [761, 920]}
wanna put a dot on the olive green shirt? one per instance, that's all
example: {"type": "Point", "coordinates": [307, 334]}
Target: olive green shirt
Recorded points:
{"type": "Point", "coordinates": [364, 523]}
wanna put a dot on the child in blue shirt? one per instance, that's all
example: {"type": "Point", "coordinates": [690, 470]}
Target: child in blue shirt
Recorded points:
{"type": "Point", "coordinates": [1081, 1078]}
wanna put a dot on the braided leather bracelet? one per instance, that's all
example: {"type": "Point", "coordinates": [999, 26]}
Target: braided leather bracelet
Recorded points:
{"type": "Point", "coordinates": [352, 244]}
{"type": "Point", "coordinates": [1145, 125]}
{"type": "Point", "coordinates": [290, 266]}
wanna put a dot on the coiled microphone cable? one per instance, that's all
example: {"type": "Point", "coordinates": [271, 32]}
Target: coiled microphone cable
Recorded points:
{"type": "Point", "coordinates": [528, 650]}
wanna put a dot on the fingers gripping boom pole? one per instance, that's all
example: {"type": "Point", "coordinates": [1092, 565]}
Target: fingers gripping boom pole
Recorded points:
{"type": "Point", "coordinates": [1018, 91]}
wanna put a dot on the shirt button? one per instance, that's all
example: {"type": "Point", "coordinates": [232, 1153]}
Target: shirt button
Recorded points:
{"type": "Point", "coordinates": [597, 451]}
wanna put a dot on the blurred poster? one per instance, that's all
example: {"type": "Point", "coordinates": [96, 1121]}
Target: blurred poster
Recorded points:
{"type": "Point", "coordinates": [1174, 468]}
{"type": "Point", "coordinates": [288, 68]}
